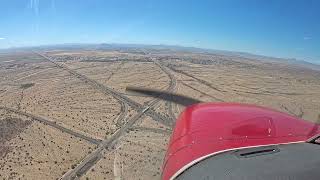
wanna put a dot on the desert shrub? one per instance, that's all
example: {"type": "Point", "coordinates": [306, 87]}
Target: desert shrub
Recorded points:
{"type": "Point", "coordinates": [26, 86]}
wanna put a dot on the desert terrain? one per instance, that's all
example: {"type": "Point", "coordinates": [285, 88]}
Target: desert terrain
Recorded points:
{"type": "Point", "coordinates": [65, 113]}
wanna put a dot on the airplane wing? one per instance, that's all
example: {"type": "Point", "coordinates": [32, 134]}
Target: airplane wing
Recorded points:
{"type": "Point", "coordinates": [223, 140]}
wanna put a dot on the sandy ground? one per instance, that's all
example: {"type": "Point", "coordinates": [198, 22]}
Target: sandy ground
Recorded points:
{"type": "Point", "coordinates": [132, 158]}
{"type": "Point", "coordinates": [40, 152]}
{"type": "Point", "coordinates": [31, 84]}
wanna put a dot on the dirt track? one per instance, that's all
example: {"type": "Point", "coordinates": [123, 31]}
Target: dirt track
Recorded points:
{"type": "Point", "coordinates": [95, 129]}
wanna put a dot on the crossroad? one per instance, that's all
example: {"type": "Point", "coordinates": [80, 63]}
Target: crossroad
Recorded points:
{"type": "Point", "coordinates": [146, 109]}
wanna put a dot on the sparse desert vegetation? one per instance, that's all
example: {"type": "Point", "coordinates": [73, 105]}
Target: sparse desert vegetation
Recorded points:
{"type": "Point", "coordinates": [65, 113]}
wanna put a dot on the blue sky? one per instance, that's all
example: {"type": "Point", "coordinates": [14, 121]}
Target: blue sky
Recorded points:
{"type": "Point", "coordinates": [281, 28]}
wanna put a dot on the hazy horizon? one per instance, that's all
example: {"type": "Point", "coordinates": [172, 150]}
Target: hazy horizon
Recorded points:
{"type": "Point", "coordinates": [284, 29]}
{"type": "Point", "coordinates": [164, 45]}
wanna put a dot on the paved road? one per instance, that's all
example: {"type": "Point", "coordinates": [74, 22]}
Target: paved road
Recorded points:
{"type": "Point", "coordinates": [173, 84]}
{"type": "Point", "coordinates": [204, 93]}
{"type": "Point", "coordinates": [94, 157]}
{"type": "Point", "coordinates": [171, 88]}
{"type": "Point", "coordinates": [171, 113]}
{"type": "Point", "coordinates": [208, 84]}
{"type": "Point", "coordinates": [54, 125]}
{"type": "Point", "coordinates": [107, 90]}
{"type": "Point", "coordinates": [122, 116]}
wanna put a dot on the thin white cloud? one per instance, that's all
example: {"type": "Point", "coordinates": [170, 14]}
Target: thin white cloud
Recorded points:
{"type": "Point", "coordinates": [34, 4]}
{"type": "Point", "coordinates": [306, 38]}
{"type": "Point", "coordinates": [2, 38]}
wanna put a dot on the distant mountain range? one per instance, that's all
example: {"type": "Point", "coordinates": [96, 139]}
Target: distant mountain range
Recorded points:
{"type": "Point", "coordinates": [115, 46]}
